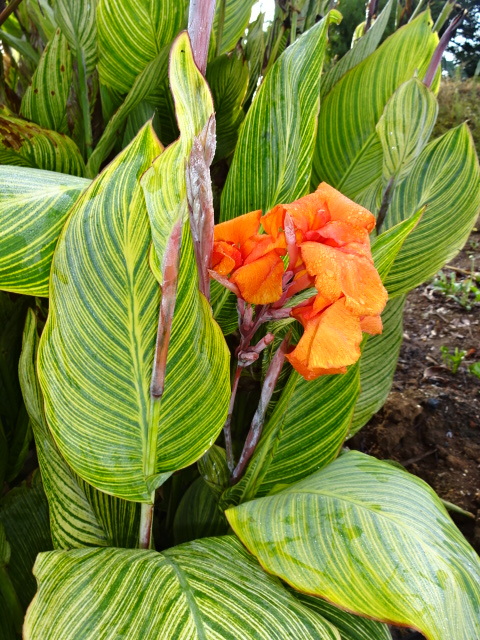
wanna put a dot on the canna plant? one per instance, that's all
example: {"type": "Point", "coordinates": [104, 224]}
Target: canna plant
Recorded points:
{"type": "Point", "coordinates": [206, 242]}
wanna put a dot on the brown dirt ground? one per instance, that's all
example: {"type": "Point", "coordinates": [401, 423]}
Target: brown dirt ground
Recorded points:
{"type": "Point", "coordinates": [431, 420]}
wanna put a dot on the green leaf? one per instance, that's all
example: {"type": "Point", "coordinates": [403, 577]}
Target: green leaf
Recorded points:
{"type": "Point", "coordinates": [352, 108]}
{"type": "Point", "coordinates": [41, 14]}
{"type": "Point", "coordinates": [138, 116]}
{"type": "Point", "coordinates": [26, 144]}
{"type": "Point", "coordinates": [361, 50]}
{"type": "Point", "coordinates": [214, 469]}
{"type": "Point", "coordinates": [224, 305]}
{"type": "Point", "coordinates": [104, 306]}
{"type": "Point", "coordinates": [445, 178]}
{"type": "Point", "coordinates": [207, 590]}
{"type": "Point", "coordinates": [22, 46]}
{"type": "Point", "coordinates": [378, 364]}
{"type": "Point", "coordinates": [304, 433]}
{"type": "Point", "coordinates": [273, 157]}
{"type": "Point", "coordinates": [34, 206]}
{"type": "Point", "coordinates": [237, 16]}
{"type": "Point", "coordinates": [198, 364]}
{"type": "Point", "coordinates": [76, 19]}
{"type": "Point", "coordinates": [405, 128]}
{"type": "Point", "coordinates": [198, 514]}
{"type": "Point", "coordinates": [351, 627]}
{"type": "Point", "coordinates": [79, 514]}
{"type": "Point", "coordinates": [387, 245]}
{"type": "Point", "coordinates": [254, 53]}
{"type": "Point", "coordinates": [145, 87]}
{"type": "Point", "coordinates": [228, 80]}
{"type": "Point", "coordinates": [45, 99]}
{"type": "Point", "coordinates": [131, 35]}
{"type": "Point", "coordinates": [406, 561]}
{"type": "Point", "coordinates": [24, 515]}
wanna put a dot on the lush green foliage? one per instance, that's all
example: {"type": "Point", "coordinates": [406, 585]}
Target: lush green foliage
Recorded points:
{"type": "Point", "coordinates": [115, 367]}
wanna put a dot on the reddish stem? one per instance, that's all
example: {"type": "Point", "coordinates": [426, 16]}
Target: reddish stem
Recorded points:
{"type": "Point", "coordinates": [256, 427]}
{"type": "Point", "coordinates": [170, 268]}
{"type": "Point", "coordinates": [200, 20]}
{"type": "Point", "coordinates": [442, 45]}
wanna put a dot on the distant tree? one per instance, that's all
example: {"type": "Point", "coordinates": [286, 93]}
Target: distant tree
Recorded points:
{"type": "Point", "coordinates": [466, 44]}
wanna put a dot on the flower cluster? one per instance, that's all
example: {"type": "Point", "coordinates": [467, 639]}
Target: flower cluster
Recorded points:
{"type": "Point", "coordinates": [323, 239]}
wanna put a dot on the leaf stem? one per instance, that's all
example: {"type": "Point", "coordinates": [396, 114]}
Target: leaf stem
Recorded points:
{"type": "Point", "coordinates": [256, 427]}
{"type": "Point", "coordinates": [146, 521]}
{"type": "Point", "coordinates": [8, 10]}
{"type": "Point", "coordinates": [370, 12]}
{"type": "Point", "coordinates": [84, 103]}
{"type": "Point", "coordinates": [443, 16]}
{"type": "Point", "coordinates": [11, 599]}
{"type": "Point", "coordinates": [227, 429]}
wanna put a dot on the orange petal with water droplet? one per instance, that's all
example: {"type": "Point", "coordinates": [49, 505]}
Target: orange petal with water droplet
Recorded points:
{"type": "Point", "coordinates": [344, 209]}
{"type": "Point", "coordinates": [260, 282]}
{"type": "Point", "coordinates": [354, 276]}
{"type": "Point", "coordinates": [272, 221]}
{"type": "Point", "coordinates": [330, 342]}
{"type": "Point", "coordinates": [238, 230]}
{"type": "Point", "coordinates": [261, 244]}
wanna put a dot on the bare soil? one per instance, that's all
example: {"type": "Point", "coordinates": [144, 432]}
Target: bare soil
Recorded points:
{"type": "Point", "coordinates": [431, 420]}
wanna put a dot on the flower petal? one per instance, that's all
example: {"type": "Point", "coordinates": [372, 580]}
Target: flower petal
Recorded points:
{"type": "Point", "coordinates": [372, 325]}
{"type": "Point", "coordinates": [260, 282]}
{"type": "Point", "coordinates": [352, 275]}
{"type": "Point", "coordinates": [344, 209]}
{"type": "Point", "coordinates": [225, 258]}
{"type": "Point", "coordinates": [238, 230]}
{"type": "Point", "coordinates": [330, 342]}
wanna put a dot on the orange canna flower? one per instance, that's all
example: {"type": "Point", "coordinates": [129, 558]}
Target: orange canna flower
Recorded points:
{"type": "Point", "coordinates": [252, 260]}
{"type": "Point", "coordinates": [326, 236]}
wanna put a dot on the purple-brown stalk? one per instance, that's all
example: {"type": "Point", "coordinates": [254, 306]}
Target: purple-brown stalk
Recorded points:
{"type": "Point", "coordinates": [442, 45]}
{"type": "Point", "coordinates": [256, 427]}
{"type": "Point", "coordinates": [200, 19]}
{"type": "Point", "coordinates": [200, 202]}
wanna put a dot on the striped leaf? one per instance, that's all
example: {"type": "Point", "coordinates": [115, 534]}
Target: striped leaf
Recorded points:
{"type": "Point", "coordinates": [386, 246]}
{"type": "Point", "coordinates": [132, 34]}
{"type": "Point", "coordinates": [361, 50]}
{"type": "Point", "coordinates": [351, 627]}
{"type": "Point", "coordinates": [236, 19]}
{"type": "Point", "coordinates": [214, 469]}
{"type": "Point", "coordinates": [34, 206]}
{"type": "Point", "coordinates": [378, 364]}
{"type": "Point", "coordinates": [228, 80]}
{"type": "Point", "coordinates": [145, 87]}
{"type": "Point", "coordinates": [198, 514]}
{"type": "Point", "coordinates": [373, 540]}
{"type": "Point", "coordinates": [26, 144]}
{"type": "Point", "coordinates": [254, 53]}
{"type": "Point", "coordinates": [42, 16]}
{"type": "Point", "coordinates": [273, 156]}
{"type": "Point", "coordinates": [353, 107]}
{"type": "Point", "coordinates": [76, 19]}
{"type": "Point", "coordinates": [405, 128]}
{"type": "Point", "coordinates": [446, 179]}
{"type": "Point", "coordinates": [204, 590]}
{"type": "Point", "coordinates": [24, 516]}
{"type": "Point", "coordinates": [45, 99]}
{"type": "Point", "coordinates": [79, 514]}
{"type": "Point", "coordinates": [224, 304]}
{"type": "Point", "coordinates": [97, 348]}
{"type": "Point", "coordinates": [304, 433]}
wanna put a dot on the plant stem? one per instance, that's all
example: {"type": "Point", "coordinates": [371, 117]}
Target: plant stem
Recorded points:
{"type": "Point", "coordinates": [146, 521]}
{"type": "Point", "coordinates": [274, 51]}
{"type": "Point", "coordinates": [227, 429]}
{"type": "Point", "coordinates": [442, 45]}
{"type": "Point", "coordinates": [200, 18]}
{"type": "Point", "coordinates": [84, 103]}
{"type": "Point", "coordinates": [256, 427]}
{"type": "Point", "coordinates": [293, 25]}
{"type": "Point", "coordinates": [11, 599]}
{"type": "Point", "coordinates": [8, 10]}
{"type": "Point", "coordinates": [221, 22]}
{"type": "Point", "coordinates": [370, 12]}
